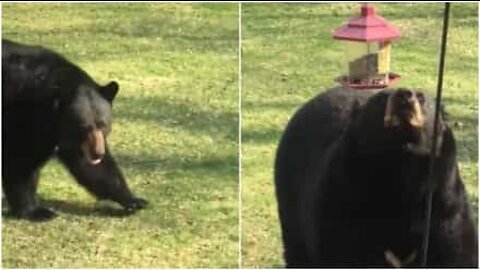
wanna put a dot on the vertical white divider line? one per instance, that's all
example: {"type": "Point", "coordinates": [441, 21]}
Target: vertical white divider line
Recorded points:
{"type": "Point", "coordinates": [239, 134]}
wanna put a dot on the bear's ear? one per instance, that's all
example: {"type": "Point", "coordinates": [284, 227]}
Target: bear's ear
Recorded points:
{"type": "Point", "coordinates": [109, 91]}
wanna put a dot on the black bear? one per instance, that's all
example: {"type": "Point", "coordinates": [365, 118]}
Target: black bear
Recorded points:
{"type": "Point", "coordinates": [351, 184]}
{"type": "Point", "coordinates": [50, 105]}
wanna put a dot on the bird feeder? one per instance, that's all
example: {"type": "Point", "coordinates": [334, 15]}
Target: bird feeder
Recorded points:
{"type": "Point", "coordinates": [368, 39]}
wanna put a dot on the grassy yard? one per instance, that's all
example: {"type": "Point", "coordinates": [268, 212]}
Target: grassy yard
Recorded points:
{"type": "Point", "coordinates": [289, 56]}
{"type": "Point", "coordinates": [175, 135]}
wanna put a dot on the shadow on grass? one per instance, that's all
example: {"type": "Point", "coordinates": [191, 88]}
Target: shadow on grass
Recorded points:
{"type": "Point", "coordinates": [265, 105]}
{"type": "Point", "coordinates": [74, 208]}
{"type": "Point", "coordinates": [176, 114]}
{"type": "Point", "coordinates": [167, 32]}
{"type": "Point", "coordinates": [84, 210]}
{"type": "Point", "coordinates": [265, 136]}
{"type": "Point", "coordinates": [221, 167]}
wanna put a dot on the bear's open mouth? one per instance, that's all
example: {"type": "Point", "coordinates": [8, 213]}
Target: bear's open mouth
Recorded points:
{"type": "Point", "coordinates": [95, 161]}
{"type": "Point", "coordinates": [91, 158]}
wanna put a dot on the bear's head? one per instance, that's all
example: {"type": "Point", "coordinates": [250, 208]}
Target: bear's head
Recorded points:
{"type": "Point", "coordinates": [85, 121]}
{"type": "Point", "coordinates": [397, 121]}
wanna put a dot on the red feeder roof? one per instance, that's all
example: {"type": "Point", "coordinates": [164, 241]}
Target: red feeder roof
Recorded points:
{"type": "Point", "coordinates": [367, 27]}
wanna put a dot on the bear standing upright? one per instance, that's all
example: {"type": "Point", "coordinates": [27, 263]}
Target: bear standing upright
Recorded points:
{"type": "Point", "coordinates": [49, 103]}
{"type": "Point", "coordinates": [351, 183]}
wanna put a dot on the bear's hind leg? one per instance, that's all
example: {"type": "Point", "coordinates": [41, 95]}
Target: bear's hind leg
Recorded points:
{"type": "Point", "coordinates": [104, 180]}
{"type": "Point", "coordinates": [20, 189]}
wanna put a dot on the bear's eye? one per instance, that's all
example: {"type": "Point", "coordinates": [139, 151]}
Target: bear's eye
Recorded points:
{"type": "Point", "coordinates": [87, 128]}
{"type": "Point", "coordinates": [101, 125]}
{"type": "Point", "coordinates": [421, 98]}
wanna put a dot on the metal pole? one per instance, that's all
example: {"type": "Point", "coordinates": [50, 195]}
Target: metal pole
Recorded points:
{"type": "Point", "coordinates": [433, 150]}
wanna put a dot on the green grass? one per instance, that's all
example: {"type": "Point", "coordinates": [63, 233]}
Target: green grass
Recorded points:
{"type": "Point", "coordinates": [174, 135]}
{"type": "Point", "coordinates": [289, 56]}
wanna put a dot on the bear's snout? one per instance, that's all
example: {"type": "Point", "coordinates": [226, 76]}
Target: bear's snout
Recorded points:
{"type": "Point", "coordinates": [404, 107]}
{"type": "Point", "coordinates": [94, 148]}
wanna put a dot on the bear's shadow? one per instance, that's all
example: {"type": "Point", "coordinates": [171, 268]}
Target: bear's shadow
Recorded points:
{"type": "Point", "coordinates": [72, 208]}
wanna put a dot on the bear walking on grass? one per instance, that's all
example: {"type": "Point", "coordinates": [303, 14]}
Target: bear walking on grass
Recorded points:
{"type": "Point", "coordinates": [49, 103]}
{"type": "Point", "coordinates": [351, 184]}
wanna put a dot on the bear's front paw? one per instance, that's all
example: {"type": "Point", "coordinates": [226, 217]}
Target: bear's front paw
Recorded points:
{"type": "Point", "coordinates": [134, 204]}
{"type": "Point", "coordinates": [39, 214]}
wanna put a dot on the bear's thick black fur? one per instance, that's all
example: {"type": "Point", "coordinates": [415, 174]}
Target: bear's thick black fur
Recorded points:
{"type": "Point", "coordinates": [49, 103]}
{"type": "Point", "coordinates": [351, 184]}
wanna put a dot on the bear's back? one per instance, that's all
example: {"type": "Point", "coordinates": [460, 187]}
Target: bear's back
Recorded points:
{"type": "Point", "coordinates": [10, 48]}
{"type": "Point", "coordinates": [33, 73]}
{"type": "Point", "coordinates": [313, 129]}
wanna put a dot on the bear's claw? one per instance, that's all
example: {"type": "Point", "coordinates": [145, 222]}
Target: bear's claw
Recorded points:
{"type": "Point", "coordinates": [135, 204]}
{"type": "Point", "coordinates": [39, 214]}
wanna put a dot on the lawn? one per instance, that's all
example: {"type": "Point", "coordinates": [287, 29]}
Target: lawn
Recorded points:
{"type": "Point", "coordinates": [289, 56]}
{"type": "Point", "coordinates": [175, 136]}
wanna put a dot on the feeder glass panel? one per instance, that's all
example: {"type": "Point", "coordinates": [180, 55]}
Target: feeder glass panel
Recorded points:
{"type": "Point", "coordinates": [384, 58]}
{"type": "Point", "coordinates": [368, 62]}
